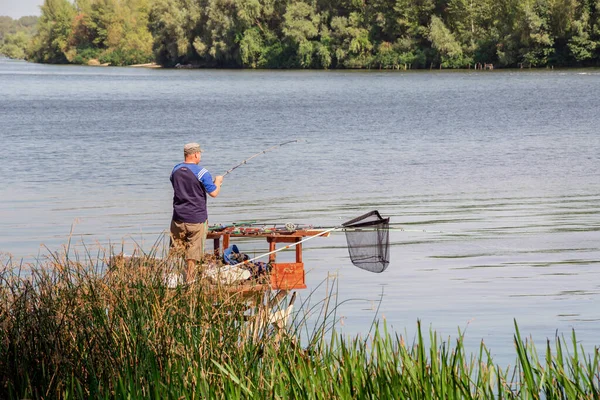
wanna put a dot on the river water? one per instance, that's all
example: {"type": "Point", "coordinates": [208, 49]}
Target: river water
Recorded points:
{"type": "Point", "coordinates": [494, 177]}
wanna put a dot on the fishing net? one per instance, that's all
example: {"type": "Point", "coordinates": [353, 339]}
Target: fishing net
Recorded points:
{"type": "Point", "coordinates": [368, 240]}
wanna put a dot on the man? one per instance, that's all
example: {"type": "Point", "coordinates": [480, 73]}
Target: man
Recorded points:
{"type": "Point", "coordinates": [189, 225]}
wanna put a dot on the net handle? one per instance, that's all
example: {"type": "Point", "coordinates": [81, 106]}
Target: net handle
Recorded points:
{"type": "Point", "coordinates": [289, 246]}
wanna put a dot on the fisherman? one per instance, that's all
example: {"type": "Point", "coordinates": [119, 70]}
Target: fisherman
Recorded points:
{"type": "Point", "coordinates": [189, 225]}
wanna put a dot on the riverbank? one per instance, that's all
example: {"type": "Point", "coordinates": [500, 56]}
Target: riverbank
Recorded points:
{"type": "Point", "coordinates": [474, 68]}
{"type": "Point", "coordinates": [95, 63]}
{"type": "Point", "coordinates": [71, 330]}
{"type": "Point", "coordinates": [147, 65]}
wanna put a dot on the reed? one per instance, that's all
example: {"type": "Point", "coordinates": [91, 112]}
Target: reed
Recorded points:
{"type": "Point", "coordinates": [71, 328]}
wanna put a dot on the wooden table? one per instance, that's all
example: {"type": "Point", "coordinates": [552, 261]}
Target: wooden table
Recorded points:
{"type": "Point", "coordinates": [283, 276]}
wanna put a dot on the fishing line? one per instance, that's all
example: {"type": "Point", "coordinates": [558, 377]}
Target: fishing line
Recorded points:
{"type": "Point", "coordinates": [259, 153]}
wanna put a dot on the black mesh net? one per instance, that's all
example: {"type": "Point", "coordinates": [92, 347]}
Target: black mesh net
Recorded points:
{"type": "Point", "coordinates": [368, 240]}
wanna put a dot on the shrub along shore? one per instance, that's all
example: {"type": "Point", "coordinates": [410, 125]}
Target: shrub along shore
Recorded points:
{"type": "Point", "coordinates": [71, 328]}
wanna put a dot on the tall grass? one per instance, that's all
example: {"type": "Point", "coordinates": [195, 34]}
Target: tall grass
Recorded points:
{"type": "Point", "coordinates": [69, 328]}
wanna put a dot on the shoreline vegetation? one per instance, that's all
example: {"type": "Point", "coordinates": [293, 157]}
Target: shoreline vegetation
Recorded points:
{"type": "Point", "coordinates": [72, 327]}
{"type": "Point", "coordinates": [311, 34]}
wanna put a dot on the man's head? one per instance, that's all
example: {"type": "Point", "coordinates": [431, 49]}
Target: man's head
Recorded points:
{"type": "Point", "coordinates": [192, 152]}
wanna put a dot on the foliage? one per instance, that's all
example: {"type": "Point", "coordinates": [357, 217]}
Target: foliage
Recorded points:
{"type": "Point", "coordinates": [51, 43]}
{"type": "Point", "coordinates": [320, 34]}
{"type": "Point", "coordinates": [70, 329]}
{"type": "Point", "coordinates": [9, 26]}
{"type": "Point", "coordinates": [15, 35]}
{"type": "Point", "coordinates": [115, 31]}
{"type": "Point", "coordinates": [14, 45]}
{"type": "Point", "coordinates": [448, 48]}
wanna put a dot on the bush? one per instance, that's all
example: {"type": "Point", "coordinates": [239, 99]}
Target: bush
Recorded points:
{"type": "Point", "coordinates": [85, 54]}
{"type": "Point", "coordinates": [12, 51]}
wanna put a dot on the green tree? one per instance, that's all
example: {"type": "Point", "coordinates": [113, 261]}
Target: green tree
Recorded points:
{"type": "Point", "coordinates": [536, 39]}
{"type": "Point", "coordinates": [51, 43]}
{"type": "Point", "coordinates": [575, 32]}
{"type": "Point", "coordinates": [252, 48]}
{"type": "Point", "coordinates": [442, 40]}
{"type": "Point", "coordinates": [28, 23]}
{"type": "Point", "coordinates": [218, 43]}
{"type": "Point", "coordinates": [15, 35]}
{"type": "Point", "coordinates": [262, 43]}
{"type": "Point", "coordinates": [14, 45]}
{"type": "Point", "coordinates": [386, 55]}
{"type": "Point", "coordinates": [174, 26]}
{"type": "Point", "coordinates": [6, 26]}
{"type": "Point", "coordinates": [301, 27]}
{"type": "Point", "coordinates": [470, 25]}
{"type": "Point", "coordinates": [581, 46]}
{"type": "Point", "coordinates": [412, 30]}
{"type": "Point", "coordinates": [413, 18]}
{"type": "Point", "coordinates": [352, 44]}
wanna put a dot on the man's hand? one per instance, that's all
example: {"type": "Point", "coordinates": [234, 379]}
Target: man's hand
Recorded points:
{"type": "Point", "coordinates": [217, 181]}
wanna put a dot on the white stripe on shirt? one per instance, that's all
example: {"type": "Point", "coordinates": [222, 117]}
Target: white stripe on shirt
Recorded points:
{"type": "Point", "coordinates": [201, 173]}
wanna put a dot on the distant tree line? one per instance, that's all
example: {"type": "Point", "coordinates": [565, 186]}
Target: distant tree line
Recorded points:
{"type": "Point", "coordinates": [15, 35]}
{"type": "Point", "coordinates": [399, 34]}
{"type": "Point", "coordinates": [107, 31]}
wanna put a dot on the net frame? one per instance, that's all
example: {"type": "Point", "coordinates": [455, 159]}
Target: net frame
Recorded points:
{"type": "Point", "coordinates": [368, 240]}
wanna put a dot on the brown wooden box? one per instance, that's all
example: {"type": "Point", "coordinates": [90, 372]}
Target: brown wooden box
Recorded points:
{"type": "Point", "coordinates": [288, 276]}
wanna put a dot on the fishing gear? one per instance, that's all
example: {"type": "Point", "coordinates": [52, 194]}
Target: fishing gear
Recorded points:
{"type": "Point", "coordinates": [221, 227]}
{"type": "Point", "coordinates": [291, 226]}
{"type": "Point", "coordinates": [368, 239]}
{"type": "Point", "coordinates": [368, 242]}
{"type": "Point", "coordinates": [259, 153]}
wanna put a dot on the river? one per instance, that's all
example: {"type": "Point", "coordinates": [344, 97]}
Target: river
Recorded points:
{"type": "Point", "coordinates": [493, 175]}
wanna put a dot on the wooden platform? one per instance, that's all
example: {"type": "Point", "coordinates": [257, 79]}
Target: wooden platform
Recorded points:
{"type": "Point", "coordinates": [283, 276]}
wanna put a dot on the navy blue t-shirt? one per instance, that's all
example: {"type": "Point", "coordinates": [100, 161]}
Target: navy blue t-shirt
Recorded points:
{"type": "Point", "coordinates": [190, 185]}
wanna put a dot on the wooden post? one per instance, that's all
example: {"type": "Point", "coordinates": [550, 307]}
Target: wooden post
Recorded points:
{"type": "Point", "coordinates": [217, 246]}
{"type": "Point", "coordinates": [298, 251]}
{"type": "Point", "coordinates": [225, 241]}
{"type": "Point", "coordinates": [271, 248]}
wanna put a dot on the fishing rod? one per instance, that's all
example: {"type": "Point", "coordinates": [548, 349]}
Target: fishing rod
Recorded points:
{"type": "Point", "coordinates": [290, 227]}
{"type": "Point", "coordinates": [220, 227]}
{"type": "Point", "coordinates": [259, 153]}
